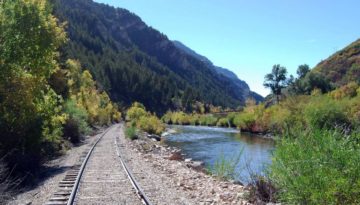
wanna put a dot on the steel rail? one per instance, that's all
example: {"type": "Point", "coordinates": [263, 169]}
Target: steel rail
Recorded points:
{"type": "Point", "coordinates": [131, 177]}
{"type": "Point", "coordinates": [82, 168]}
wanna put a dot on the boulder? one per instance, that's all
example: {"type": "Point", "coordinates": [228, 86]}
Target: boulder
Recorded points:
{"type": "Point", "coordinates": [196, 165]}
{"type": "Point", "coordinates": [188, 160]}
{"type": "Point", "coordinates": [176, 156]}
{"type": "Point", "coordinates": [154, 137]}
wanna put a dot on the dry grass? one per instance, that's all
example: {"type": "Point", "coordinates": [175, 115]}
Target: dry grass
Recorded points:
{"type": "Point", "coordinates": [7, 183]}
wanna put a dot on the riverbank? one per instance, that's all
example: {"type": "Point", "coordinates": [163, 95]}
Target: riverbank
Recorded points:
{"type": "Point", "coordinates": [268, 135]}
{"type": "Point", "coordinates": [244, 154]}
{"type": "Point", "coordinates": [171, 173]}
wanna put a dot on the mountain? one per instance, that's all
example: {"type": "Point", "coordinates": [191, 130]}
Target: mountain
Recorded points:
{"type": "Point", "coordinates": [343, 66]}
{"type": "Point", "coordinates": [242, 85]}
{"type": "Point", "coordinates": [135, 62]}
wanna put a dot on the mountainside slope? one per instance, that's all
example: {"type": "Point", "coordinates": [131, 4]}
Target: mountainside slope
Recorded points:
{"type": "Point", "coordinates": [342, 67]}
{"type": "Point", "coordinates": [135, 62]}
{"type": "Point", "coordinates": [242, 85]}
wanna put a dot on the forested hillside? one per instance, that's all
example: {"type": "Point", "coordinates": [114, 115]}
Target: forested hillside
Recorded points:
{"type": "Point", "coordinates": [342, 67]}
{"type": "Point", "coordinates": [135, 62]}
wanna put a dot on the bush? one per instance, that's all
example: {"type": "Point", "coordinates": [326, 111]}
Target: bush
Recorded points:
{"type": "Point", "coordinates": [349, 90]}
{"type": "Point", "coordinates": [135, 112]}
{"type": "Point", "coordinates": [167, 118]}
{"type": "Point", "coordinates": [194, 119]}
{"type": "Point", "coordinates": [180, 118]}
{"type": "Point", "coordinates": [261, 190]}
{"type": "Point", "coordinates": [208, 120]}
{"type": "Point", "coordinates": [317, 167]}
{"type": "Point", "coordinates": [244, 121]}
{"type": "Point", "coordinates": [143, 120]}
{"type": "Point", "coordinates": [130, 132]}
{"type": "Point", "coordinates": [281, 119]}
{"type": "Point", "coordinates": [231, 117]}
{"type": "Point", "coordinates": [76, 124]}
{"type": "Point", "coordinates": [324, 113]}
{"type": "Point", "coordinates": [223, 122]}
{"type": "Point", "coordinates": [150, 124]}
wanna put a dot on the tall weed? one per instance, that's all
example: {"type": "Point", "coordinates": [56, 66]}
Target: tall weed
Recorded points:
{"type": "Point", "coordinates": [317, 167]}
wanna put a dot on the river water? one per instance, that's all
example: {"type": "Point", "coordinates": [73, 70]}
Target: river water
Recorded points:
{"type": "Point", "coordinates": [209, 144]}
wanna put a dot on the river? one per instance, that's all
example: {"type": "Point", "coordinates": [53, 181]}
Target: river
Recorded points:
{"type": "Point", "coordinates": [209, 144]}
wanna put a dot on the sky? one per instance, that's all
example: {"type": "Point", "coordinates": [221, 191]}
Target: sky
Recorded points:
{"type": "Point", "coordinates": [249, 36]}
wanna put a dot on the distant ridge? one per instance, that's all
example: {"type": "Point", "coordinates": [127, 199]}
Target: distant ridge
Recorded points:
{"type": "Point", "coordinates": [222, 71]}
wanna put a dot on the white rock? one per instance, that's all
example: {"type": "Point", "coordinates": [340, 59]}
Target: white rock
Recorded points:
{"type": "Point", "coordinates": [188, 160]}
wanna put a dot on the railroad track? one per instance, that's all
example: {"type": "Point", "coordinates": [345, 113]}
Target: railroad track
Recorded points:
{"type": "Point", "coordinates": [101, 177]}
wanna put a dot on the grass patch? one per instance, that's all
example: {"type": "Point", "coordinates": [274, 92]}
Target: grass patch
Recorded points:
{"type": "Point", "coordinates": [225, 167]}
{"type": "Point", "coordinates": [130, 133]}
{"type": "Point", "coordinates": [317, 167]}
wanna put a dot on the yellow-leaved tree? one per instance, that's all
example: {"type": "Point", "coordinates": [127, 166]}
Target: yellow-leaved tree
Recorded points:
{"type": "Point", "coordinates": [30, 111]}
{"type": "Point", "coordinates": [83, 90]}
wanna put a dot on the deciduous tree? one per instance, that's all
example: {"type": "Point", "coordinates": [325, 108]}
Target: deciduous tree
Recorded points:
{"type": "Point", "coordinates": [276, 80]}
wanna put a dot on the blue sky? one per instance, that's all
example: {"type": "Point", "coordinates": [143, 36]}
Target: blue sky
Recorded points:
{"type": "Point", "coordinates": [249, 37]}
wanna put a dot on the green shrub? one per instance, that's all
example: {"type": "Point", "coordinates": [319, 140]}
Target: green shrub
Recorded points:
{"type": "Point", "coordinates": [325, 113]}
{"type": "Point", "coordinates": [317, 167]}
{"type": "Point", "coordinates": [135, 112]}
{"type": "Point", "coordinates": [138, 117]}
{"type": "Point", "coordinates": [223, 122]}
{"type": "Point", "coordinates": [231, 117]}
{"type": "Point", "coordinates": [150, 124]}
{"type": "Point", "coordinates": [282, 118]}
{"type": "Point", "coordinates": [208, 120]}
{"type": "Point", "coordinates": [180, 118]}
{"type": "Point", "coordinates": [130, 133]}
{"type": "Point", "coordinates": [76, 125]}
{"type": "Point", "coordinates": [354, 112]}
{"type": "Point", "coordinates": [194, 119]}
{"type": "Point", "coordinates": [167, 118]}
{"type": "Point", "coordinates": [348, 90]}
{"type": "Point", "coordinates": [244, 121]}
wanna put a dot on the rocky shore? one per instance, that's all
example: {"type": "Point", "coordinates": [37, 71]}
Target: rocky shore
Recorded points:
{"type": "Point", "coordinates": [185, 175]}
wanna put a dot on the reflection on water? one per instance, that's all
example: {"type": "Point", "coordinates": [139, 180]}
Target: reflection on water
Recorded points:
{"type": "Point", "coordinates": [208, 143]}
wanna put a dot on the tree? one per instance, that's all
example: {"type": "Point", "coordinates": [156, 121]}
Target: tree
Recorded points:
{"type": "Point", "coordinates": [276, 80]}
{"type": "Point", "coordinates": [30, 111]}
{"type": "Point", "coordinates": [315, 80]}
{"type": "Point", "coordinates": [290, 81]}
{"type": "Point", "coordinates": [302, 70]}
